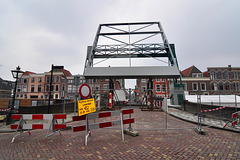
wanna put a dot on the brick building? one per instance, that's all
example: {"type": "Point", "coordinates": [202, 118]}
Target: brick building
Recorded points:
{"type": "Point", "coordinates": [194, 80]}
{"type": "Point", "coordinates": [6, 88]}
{"type": "Point", "coordinates": [224, 80]}
{"type": "Point", "coordinates": [37, 85]}
{"type": "Point", "coordinates": [160, 86]}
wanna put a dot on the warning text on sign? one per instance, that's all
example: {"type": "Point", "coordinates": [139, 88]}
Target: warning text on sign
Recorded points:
{"type": "Point", "coordinates": [86, 106]}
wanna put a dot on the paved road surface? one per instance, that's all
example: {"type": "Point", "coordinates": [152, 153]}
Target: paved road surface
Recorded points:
{"type": "Point", "coordinates": [107, 143]}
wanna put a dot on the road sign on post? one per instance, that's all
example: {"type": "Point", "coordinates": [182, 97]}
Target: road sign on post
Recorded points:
{"type": "Point", "coordinates": [86, 106]}
{"type": "Point", "coordinates": [85, 91]}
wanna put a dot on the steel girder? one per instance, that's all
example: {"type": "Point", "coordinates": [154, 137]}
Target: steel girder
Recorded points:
{"type": "Point", "coordinates": [127, 49]}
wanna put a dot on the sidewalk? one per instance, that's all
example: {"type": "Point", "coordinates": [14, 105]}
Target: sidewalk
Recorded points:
{"type": "Point", "coordinates": [205, 121]}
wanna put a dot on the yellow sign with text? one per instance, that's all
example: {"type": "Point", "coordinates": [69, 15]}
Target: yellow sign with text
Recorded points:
{"type": "Point", "coordinates": [86, 106]}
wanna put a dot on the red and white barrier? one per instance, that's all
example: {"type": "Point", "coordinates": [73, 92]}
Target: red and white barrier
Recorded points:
{"type": "Point", "coordinates": [22, 125]}
{"type": "Point", "coordinates": [5, 109]}
{"type": "Point", "coordinates": [158, 104]}
{"type": "Point", "coordinates": [215, 109]}
{"type": "Point", "coordinates": [236, 118]}
{"type": "Point", "coordinates": [110, 100]}
{"type": "Point", "coordinates": [89, 127]}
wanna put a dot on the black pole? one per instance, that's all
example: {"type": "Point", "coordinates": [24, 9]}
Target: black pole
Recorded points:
{"type": "Point", "coordinates": [14, 93]}
{"type": "Point", "coordinates": [50, 89]}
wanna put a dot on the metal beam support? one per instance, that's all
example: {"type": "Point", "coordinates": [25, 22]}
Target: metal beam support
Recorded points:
{"type": "Point", "coordinates": [131, 49]}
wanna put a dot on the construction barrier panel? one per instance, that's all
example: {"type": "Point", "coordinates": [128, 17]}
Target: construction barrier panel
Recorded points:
{"type": "Point", "coordinates": [235, 118]}
{"type": "Point", "coordinates": [88, 127]}
{"type": "Point", "coordinates": [22, 125]}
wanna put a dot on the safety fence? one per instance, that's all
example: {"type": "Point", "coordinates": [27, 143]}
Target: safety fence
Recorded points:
{"type": "Point", "coordinates": [24, 127]}
{"type": "Point", "coordinates": [88, 127]}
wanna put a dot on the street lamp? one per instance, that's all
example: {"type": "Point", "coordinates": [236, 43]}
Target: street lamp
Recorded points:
{"type": "Point", "coordinates": [16, 74]}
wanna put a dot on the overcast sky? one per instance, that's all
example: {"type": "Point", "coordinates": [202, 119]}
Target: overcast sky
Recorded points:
{"type": "Point", "coordinates": [37, 33]}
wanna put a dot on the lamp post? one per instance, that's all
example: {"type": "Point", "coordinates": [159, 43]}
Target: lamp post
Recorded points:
{"type": "Point", "coordinates": [16, 74]}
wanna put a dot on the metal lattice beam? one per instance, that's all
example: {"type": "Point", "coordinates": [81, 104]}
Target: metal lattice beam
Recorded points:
{"type": "Point", "coordinates": [127, 49]}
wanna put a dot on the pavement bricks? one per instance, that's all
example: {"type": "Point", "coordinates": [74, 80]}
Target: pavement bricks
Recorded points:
{"type": "Point", "coordinates": [173, 143]}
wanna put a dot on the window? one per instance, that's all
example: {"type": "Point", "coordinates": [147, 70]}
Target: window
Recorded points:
{"type": "Point", "coordinates": [74, 88]}
{"type": "Point", "coordinates": [33, 80]}
{"type": "Point", "coordinates": [213, 75]}
{"type": "Point", "coordinates": [57, 79]}
{"type": "Point", "coordinates": [70, 81]}
{"type": "Point", "coordinates": [25, 81]}
{"type": "Point", "coordinates": [221, 86]}
{"type": "Point", "coordinates": [225, 75]}
{"type": "Point", "coordinates": [158, 89]}
{"type": "Point", "coordinates": [39, 88]}
{"type": "Point", "coordinates": [69, 88]}
{"type": "Point", "coordinates": [195, 86]}
{"type": "Point", "coordinates": [164, 88]}
{"type": "Point", "coordinates": [52, 89]}
{"type": "Point", "coordinates": [143, 88]}
{"type": "Point", "coordinates": [47, 88]}
{"type": "Point", "coordinates": [32, 88]}
{"type": "Point", "coordinates": [197, 75]}
{"type": "Point", "coordinates": [56, 96]}
{"type": "Point", "coordinates": [143, 80]}
{"type": "Point", "coordinates": [105, 86]}
{"type": "Point", "coordinates": [219, 74]}
{"type": "Point", "coordinates": [236, 86]}
{"type": "Point", "coordinates": [57, 88]}
{"type": "Point", "coordinates": [158, 80]}
{"type": "Point", "coordinates": [203, 86]}
{"type": "Point", "coordinates": [227, 86]}
{"type": "Point", "coordinates": [214, 86]}
{"type": "Point", "coordinates": [25, 88]}
{"type": "Point", "coordinates": [18, 88]}
{"type": "Point", "coordinates": [235, 75]}
{"type": "Point", "coordinates": [48, 79]}
{"type": "Point", "coordinates": [40, 79]}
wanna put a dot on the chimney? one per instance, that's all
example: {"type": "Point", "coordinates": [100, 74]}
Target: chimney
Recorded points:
{"type": "Point", "coordinates": [230, 67]}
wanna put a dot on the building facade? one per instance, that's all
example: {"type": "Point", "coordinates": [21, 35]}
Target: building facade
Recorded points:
{"type": "Point", "coordinates": [37, 85]}
{"type": "Point", "coordinates": [224, 80]}
{"type": "Point", "coordinates": [194, 80]}
{"type": "Point", "coordinates": [6, 88]}
{"type": "Point", "coordinates": [160, 88]}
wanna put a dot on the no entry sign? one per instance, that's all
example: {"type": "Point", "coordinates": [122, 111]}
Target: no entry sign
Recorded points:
{"type": "Point", "coordinates": [85, 91]}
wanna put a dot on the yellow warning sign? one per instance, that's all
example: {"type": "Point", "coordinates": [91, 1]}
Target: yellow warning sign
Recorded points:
{"type": "Point", "coordinates": [86, 106]}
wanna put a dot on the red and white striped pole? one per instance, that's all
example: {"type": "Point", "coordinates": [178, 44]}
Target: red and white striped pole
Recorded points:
{"type": "Point", "coordinates": [110, 99]}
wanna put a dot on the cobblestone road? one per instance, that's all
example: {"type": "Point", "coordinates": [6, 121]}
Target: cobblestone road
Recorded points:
{"type": "Point", "coordinates": [107, 143]}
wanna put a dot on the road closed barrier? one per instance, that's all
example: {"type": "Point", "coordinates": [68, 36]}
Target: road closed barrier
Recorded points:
{"type": "Point", "coordinates": [235, 118]}
{"type": "Point", "coordinates": [88, 127]}
{"type": "Point", "coordinates": [22, 126]}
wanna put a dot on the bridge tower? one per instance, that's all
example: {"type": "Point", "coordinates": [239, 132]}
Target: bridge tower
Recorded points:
{"type": "Point", "coordinates": [131, 41]}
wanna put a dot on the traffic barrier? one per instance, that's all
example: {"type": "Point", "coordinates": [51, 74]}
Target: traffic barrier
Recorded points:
{"type": "Point", "coordinates": [22, 125]}
{"type": "Point", "coordinates": [157, 103]}
{"type": "Point", "coordinates": [110, 100]}
{"type": "Point", "coordinates": [88, 127]}
{"type": "Point", "coordinates": [236, 118]}
{"type": "Point", "coordinates": [4, 109]}
{"type": "Point", "coordinates": [215, 109]}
